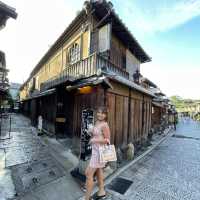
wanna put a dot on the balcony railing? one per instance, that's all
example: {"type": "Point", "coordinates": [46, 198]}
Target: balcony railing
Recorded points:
{"type": "Point", "coordinates": [83, 69]}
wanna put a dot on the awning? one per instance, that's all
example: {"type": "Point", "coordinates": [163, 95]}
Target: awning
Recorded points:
{"type": "Point", "coordinates": [45, 93]}
{"type": "Point", "coordinates": [146, 80]}
{"type": "Point", "coordinates": [132, 85]}
{"type": "Point", "coordinates": [105, 80]}
{"type": "Point", "coordinates": [42, 94]}
{"type": "Point", "coordinates": [90, 82]}
{"type": "Point", "coordinates": [157, 104]}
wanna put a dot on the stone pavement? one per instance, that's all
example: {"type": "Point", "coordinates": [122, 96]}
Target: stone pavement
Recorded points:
{"type": "Point", "coordinates": [30, 169]}
{"type": "Point", "coordinates": [37, 168]}
{"type": "Point", "coordinates": [170, 172]}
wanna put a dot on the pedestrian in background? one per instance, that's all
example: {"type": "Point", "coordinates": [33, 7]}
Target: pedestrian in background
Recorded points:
{"type": "Point", "coordinates": [39, 125]}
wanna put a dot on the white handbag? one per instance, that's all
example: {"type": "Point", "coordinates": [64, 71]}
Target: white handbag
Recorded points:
{"type": "Point", "coordinates": [107, 153]}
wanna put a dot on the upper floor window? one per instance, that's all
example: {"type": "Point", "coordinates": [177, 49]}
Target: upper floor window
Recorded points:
{"type": "Point", "coordinates": [74, 53]}
{"type": "Point", "coordinates": [124, 61]}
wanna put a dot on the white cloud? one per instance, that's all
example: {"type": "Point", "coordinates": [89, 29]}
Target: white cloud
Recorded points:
{"type": "Point", "coordinates": [26, 39]}
{"type": "Point", "coordinates": [183, 82]}
{"type": "Point", "coordinates": [154, 16]}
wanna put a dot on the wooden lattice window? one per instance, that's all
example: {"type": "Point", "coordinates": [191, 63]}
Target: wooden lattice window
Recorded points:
{"type": "Point", "coordinates": [74, 53]}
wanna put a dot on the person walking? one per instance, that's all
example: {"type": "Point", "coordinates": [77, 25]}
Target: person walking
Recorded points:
{"type": "Point", "coordinates": [100, 136]}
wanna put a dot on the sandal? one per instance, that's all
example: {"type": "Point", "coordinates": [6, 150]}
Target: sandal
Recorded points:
{"type": "Point", "coordinates": [100, 197]}
{"type": "Point", "coordinates": [83, 198]}
{"type": "Point", "coordinates": [83, 188]}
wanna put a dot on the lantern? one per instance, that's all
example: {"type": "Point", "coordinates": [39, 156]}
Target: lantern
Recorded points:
{"type": "Point", "coordinates": [85, 90]}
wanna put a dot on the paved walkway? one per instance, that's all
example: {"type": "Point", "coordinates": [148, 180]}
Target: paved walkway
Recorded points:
{"type": "Point", "coordinates": [170, 172]}
{"type": "Point", "coordinates": [30, 169]}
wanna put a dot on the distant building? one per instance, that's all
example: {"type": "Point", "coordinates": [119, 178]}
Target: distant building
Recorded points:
{"type": "Point", "coordinates": [14, 90]}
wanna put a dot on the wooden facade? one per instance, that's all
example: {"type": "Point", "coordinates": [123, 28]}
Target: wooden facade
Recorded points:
{"type": "Point", "coordinates": [91, 52]}
{"type": "Point", "coordinates": [156, 116]}
{"type": "Point", "coordinates": [6, 12]}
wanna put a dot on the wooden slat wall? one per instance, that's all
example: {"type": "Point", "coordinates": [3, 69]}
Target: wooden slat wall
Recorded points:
{"type": "Point", "coordinates": [84, 101]}
{"type": "Point", "coordinates": [118, 118]}
{"type": "Point", "coordinates": [146, 117]}
{"type": "Point", "coordinates": [117, 51]}
{"type": "Point", "coordinates": [124, 127]}
{"type": "Point", "coordinates": [156, 116]}
{"type": "Point", "coordinates": [135, 127]}
{"type": "Point", "coordinates": [111, 115]}
{"type": "Point", "coordinates": [133, 121]}
{"type": "Point", "coordinates": [125, 120]}
{"type": "Point", "coordinates": [49, 108]}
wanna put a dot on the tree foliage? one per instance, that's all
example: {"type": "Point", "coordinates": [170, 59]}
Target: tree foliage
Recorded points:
{"type": "Point", "coordinates": [177, 101]}
{"type": "Point", "coordinates": [181, 103]}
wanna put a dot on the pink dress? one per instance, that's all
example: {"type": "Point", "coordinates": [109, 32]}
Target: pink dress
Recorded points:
{"type": "Point", "coordinates": [100, 130]}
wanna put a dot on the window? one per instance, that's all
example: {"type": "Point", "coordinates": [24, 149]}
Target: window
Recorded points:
{"type": "Point", "coordinates": [124, 61]}
{"type": "Point", "coordinates": [37, 82]}
{"type": "Point", "coordinates": [74, 53]}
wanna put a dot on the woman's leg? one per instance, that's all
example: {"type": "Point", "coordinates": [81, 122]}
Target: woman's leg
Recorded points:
{"type": "Point", "coordinates": [89, 181]}
{"type": "Point", "coordinates": [100, 179]}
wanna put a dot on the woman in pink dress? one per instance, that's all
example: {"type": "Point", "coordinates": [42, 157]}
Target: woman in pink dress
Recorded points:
{"type": "Point", "coordinates": [100, 136]}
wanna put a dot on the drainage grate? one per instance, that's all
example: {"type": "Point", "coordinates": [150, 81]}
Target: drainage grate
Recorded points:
{"type": "Point", "coordinates": [120, 185]}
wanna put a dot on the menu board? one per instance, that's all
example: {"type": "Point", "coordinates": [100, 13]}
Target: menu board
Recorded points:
{"type": "Point", "coordinates": [87, 122]}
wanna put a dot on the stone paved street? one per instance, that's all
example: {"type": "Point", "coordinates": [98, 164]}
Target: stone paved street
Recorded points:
{"type": "Point", "coordinates": [30, 168]}
{"type": "Point", "coordinates": [38, 168]}
{"type": "Point", "coordinates": [171, 171]}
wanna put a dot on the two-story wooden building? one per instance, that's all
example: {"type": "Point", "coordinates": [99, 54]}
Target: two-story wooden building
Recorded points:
{"type": "Point", "coordinates": [5, 13]}
{"type": "Point", "coordinates": [91, 64]}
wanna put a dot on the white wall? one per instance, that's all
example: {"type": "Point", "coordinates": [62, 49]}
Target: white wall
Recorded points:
{"type": "Point", "coordinates": [104, 38]}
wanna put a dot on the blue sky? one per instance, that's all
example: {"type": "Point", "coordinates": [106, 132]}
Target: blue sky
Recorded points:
{"type": "Point", "coordinates": [168, 30]}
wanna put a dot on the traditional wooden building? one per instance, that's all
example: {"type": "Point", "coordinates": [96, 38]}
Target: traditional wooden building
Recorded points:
{"type": "Point", "coordinates": [5, 13]}
{"type": "Point", "coordinates": [160, 106]}
{"type": "Point", "coordinates": [159, 110]}
{"type": "Point", "coordinates": [91, 64]}
{"type": "Point", "coordinates": [4, 83]}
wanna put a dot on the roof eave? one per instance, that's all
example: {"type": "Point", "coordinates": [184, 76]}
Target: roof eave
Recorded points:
{"type": "Point", "coordinates": [147, 57]}
{"type": "Point", "coordinates": [8, 10]}
{"type": "Point", "coordinates": [57, 43]}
